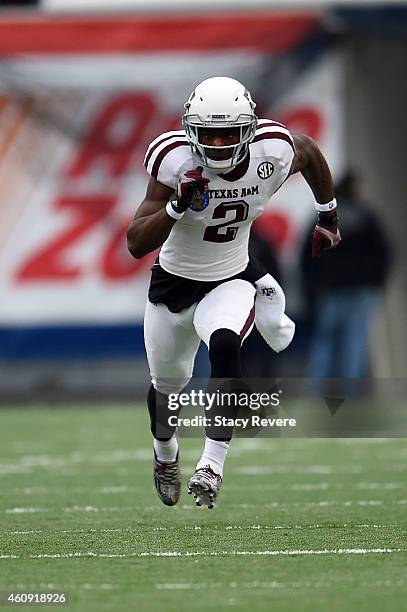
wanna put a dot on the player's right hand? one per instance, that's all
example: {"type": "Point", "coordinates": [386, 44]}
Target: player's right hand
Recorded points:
{"type": "Point", "coordinates": [324, 238]}
{"type": "Point", "coordinates": [190, 185]}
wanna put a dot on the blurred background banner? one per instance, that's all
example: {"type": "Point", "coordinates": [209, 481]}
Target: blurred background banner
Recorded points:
{"type": "Point", "coordinates": [83, 91]}
{"type": "Point", "coordinates": [80, 101]}
{"type": "Point", "coordinates": [179, 5]}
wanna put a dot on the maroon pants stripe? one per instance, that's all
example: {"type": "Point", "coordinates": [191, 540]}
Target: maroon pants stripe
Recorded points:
{"type": "Point", "coordinates": [248, 323]}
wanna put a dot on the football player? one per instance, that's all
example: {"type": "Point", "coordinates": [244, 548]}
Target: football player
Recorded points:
{"type": "Point", "coordinates": [208, 183]}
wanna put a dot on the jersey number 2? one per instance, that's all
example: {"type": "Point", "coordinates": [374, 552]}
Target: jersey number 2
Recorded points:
{"type": "Point", "coordinates": [212, 233]}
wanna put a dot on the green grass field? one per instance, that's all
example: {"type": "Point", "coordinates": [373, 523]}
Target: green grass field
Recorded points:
{"type": "Point", "coordinates": [300, 524]}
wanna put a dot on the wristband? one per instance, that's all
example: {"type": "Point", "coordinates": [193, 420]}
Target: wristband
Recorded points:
{"type": "Point", "coordinates": [170, 210]}
{"type": "Point", "coordinates": [326, 207]}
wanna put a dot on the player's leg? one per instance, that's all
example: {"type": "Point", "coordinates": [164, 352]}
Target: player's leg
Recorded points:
{"type": "Point", "coordinates": [222, 319]}
{"type": "Point", "coordinates": [171, 345]}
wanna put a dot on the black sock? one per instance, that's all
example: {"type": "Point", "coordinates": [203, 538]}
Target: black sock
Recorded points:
{"type": "Point", "coordinates": [224, 355]}
{"type": "Point", "coordinates": [157, 404]}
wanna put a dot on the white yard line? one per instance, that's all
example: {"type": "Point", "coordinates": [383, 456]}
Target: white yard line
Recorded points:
{"type": "Point", "coordinates": [13, 468]}
{"type": "Point", "coordinates": [260, 470]}
{"type": "Point", "coordinates": [200, 528]}
{"type": "Point", "coordinates": [117, 489]}
{"type": "Point", "coordinates": [325, 503]}
{"type": "Point", "coordinates": [99, 508]}
{"type": "Point", "coordinates": [276, 553]}
{"type": "Point", "coordinates": [29, 532]}
{"type": "Point", "coordinates": [310, 504]}
{"type": "Point", "coordinates": [304, 527]}
{"type": "Point", "coordinates": [221, 553]}
{"type": "Point", "coordinates": [31, 490]}
{"type": "Point", "coordinates": [22, 510]}
{"type": "Point", "coordinates": [112, 489]}
{"type": "Point", "coordinates": [171, 586]}
{"type": "Point", "coordinates": [28, 462]}
{"type": "Point", "coordinates": [324, 470]}
{"type": "Point", "coordinates": [120, 455]}
{"type": "Point", "coordinates": [380, 486]}
{"type": "Point", "coordinates": [52, 585]}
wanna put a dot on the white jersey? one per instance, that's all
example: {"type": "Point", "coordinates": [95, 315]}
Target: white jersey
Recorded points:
{"type": "Point", "coordinates": [212, 244]}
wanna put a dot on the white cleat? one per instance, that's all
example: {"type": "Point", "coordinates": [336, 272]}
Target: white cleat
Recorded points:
{"type": "Point", "coordinates": [204, 485]}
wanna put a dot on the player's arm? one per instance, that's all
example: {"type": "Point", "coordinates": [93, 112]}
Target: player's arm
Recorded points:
{"type": "Point", "coordinates": [151, 224]}
{"type": "Point", "coordinates": [309, 160]}
{"type": "Point", "coordinates": [157, 214]}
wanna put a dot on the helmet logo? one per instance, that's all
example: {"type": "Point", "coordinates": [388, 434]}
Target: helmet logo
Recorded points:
{"type": "Point", "coordinates": [265, 170]}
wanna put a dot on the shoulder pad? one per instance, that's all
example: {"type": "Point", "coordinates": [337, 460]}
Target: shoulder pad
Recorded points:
{"type": "Point", "coordinates": [165, 155]}
{"type": "Point", "coordinates": [273, 140]}
{"type": "Point", "coordinates": [276, 138]}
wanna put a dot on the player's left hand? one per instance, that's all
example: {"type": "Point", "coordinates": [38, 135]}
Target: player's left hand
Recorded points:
{"type": "Point", "coordinates": [324, 238]}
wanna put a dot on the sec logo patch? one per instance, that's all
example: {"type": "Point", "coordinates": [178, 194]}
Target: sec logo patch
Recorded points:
{"type": "Point", "coordinates": [265, 170]}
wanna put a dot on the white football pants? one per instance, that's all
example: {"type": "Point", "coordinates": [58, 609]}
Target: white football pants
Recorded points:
{"type": "Point", "coordinates": [172, 339]}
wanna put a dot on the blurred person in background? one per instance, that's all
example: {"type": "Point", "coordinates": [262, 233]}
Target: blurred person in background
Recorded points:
{"type": "Point", "coordinates": [343, 288]}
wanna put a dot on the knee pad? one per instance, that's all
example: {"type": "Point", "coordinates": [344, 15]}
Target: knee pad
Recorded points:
{"type": "Point", "coordinates": [273, 324]}
{"type": "Point", "coordinates": [165, 386]}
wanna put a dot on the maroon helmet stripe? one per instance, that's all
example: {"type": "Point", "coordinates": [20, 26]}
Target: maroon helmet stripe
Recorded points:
{"type": "Point", "coordinates": [157, 144]}
{"type": "Point", "coordinates": [270, 124]}
{"type": "Point", "coordinates": [163, 153]}
{"type": "Point", "coordinates": [248, 323]}
{"type": "Point", "coordinates": [271, 135]}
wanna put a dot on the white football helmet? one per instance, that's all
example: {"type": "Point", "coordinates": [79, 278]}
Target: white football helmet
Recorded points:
{"type": "Point", "coordinates": [220, 102]}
